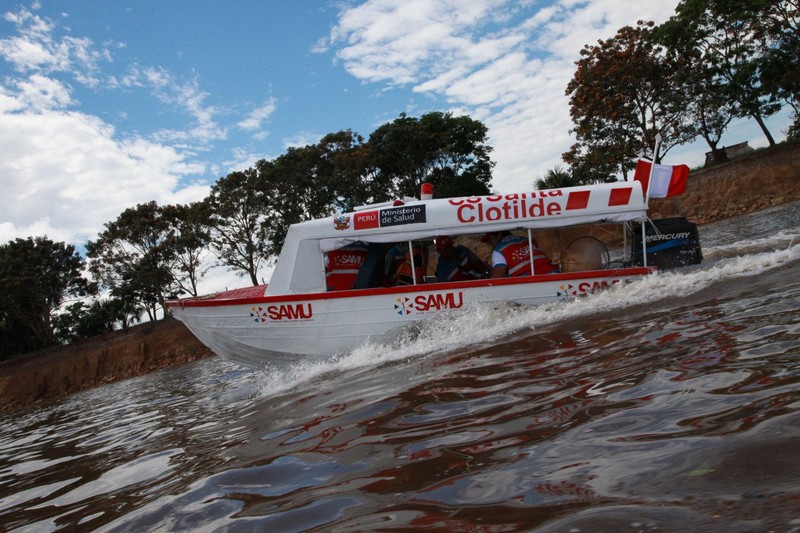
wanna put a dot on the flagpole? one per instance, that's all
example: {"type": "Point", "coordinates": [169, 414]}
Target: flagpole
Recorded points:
{"type": "Point", "coordinates": [647, 197]}
{"type": "Point", "coordinates": [652, 168]}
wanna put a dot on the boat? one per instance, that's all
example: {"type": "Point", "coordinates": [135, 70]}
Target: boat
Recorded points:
{"type": "Point", "coordinates": [294, 316]}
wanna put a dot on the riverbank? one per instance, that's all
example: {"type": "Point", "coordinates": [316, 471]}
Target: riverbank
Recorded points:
{"type": "Point", "coordinates": [757, 181]}
{"type": "Point", "coordinates": [63, 370]}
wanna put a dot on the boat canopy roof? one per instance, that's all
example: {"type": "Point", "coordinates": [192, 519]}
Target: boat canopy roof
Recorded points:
{"type": "Point", "coordinates": [300, 267]}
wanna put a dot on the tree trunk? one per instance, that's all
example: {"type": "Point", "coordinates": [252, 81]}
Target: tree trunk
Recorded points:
{"type": "Point", "coordinates": [763, 127]}
{"type": "Point", "coordinates": [718, 155]}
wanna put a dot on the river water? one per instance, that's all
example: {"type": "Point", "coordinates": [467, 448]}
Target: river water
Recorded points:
{"type": "Point", "coordinates": [670, 404]}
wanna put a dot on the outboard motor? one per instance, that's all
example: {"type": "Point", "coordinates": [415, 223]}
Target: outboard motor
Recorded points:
{"type": "Point", "coordinates": [671, 243]}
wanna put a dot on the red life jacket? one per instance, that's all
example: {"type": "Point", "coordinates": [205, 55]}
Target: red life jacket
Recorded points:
{"type": "Point", "coordinates": [516, 251]}
{"type": "Point", "coordinates": [343, 264]}
{"type": "Point", "coordinates": [404, 271]}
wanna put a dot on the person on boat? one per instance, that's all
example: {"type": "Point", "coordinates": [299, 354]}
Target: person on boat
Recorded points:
{"type": "Point", "coordinates": [393, 259]}
{"type": "Point", "coordinates": [511, 256]}
{"type": "Point", "coordinates": [457, 262]}
{"type": "Point", "coordinates": [408, 272]}
{"type": "Point", "coordinates": [342, 265]}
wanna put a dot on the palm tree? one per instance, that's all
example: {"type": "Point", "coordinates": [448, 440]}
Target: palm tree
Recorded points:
{"type": "Point", "coordinates": [556, 178]}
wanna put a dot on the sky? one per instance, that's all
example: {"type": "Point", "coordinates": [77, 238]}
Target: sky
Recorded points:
{"type": "Point", "coordinates": [108, 104]}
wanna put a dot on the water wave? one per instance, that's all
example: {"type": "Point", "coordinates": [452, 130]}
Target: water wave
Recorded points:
{"type": "Point", "coordinates": [482, 324]}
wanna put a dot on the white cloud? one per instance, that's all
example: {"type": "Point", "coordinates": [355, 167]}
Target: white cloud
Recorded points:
{"type": "Point", "coordinates": [399, 40]}
{"type": "Point", "coordinates": [40, 93]}
{"type": "Point", "coordinates": [184, 94]}
{"type": "Point", "coordinates": [65, 173]}
{"type": "Point", "coordinates": [303, 138]}
{"type": "Point", "coordinates": [34, 49]}
{"type": "Point", "coordinates": [256, 117]}
{"type": "Point", "coordinates": [78, 176]}
{"type": "Point", "coordinates": [241, 159]}
{"type": "Point", "coordinates": [511, 77]}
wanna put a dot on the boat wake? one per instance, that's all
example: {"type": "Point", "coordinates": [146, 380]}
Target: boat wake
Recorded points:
{"type": "Point", "coordinates": [783, 239]}
{"type": "Point", "coordinates": [484, 324]}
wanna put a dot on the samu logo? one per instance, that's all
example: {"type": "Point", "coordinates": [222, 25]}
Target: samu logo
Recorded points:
{"type": "Point", "coordinates": [281, 313]}
{"type": "Point", "coordinates": [403, 306]}
{"type": "Point", "coordinates": [521, 254]}
{"type": "Point", "coordinates": [568, 290]}
{"type": "Point", "coordinates": [423, 303]}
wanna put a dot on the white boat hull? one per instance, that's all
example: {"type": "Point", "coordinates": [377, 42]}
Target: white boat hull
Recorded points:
{"type": "Point", "coordinates": [254, 330]}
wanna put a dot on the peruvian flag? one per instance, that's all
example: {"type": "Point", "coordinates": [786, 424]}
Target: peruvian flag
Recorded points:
{"type": "Point", "coordinates": [667, 180]}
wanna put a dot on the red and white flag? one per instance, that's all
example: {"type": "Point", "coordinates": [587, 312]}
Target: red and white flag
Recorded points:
{"type": "Point", "coordinates": [667, 180]}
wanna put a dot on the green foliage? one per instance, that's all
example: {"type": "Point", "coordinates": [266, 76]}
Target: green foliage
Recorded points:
{"type": "Point", "coordinates": [348, 168]}
{"type": "Point", "coordinates": [238, 211]}
{"type": "Point", "coordinates": [780, 33]}
{"type": "Point", "coordinates": [793, 133]}
{"type": "Point", "coordinates": [300, 186]}
{"type": "Point", "coordinates": [708, 104]}
{"type": "Point", "coordinates": [36, 276]}
{"type": "Point", "coordinates": [732, 40]}
{"type": "Point", "coordinates": [557, 178]}
{"type": "Point", "coordinates": [81, 320]}
{"type": "Point", "coordinates": [713, 61]}
{"type": "Point", "coordinates": [446, 151]}
{"type": "Point", "coordinates": [134, 257]}
{"type": "Point", "coordinates": [251, 211]}
{"type": "Point", "coordinates": [191, 237]}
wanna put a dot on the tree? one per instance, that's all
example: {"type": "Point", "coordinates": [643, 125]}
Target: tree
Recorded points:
{"type": "Point", "coordinates": [81, 320]}
{"type": "Point", "coordinates": [238, 209]}
{"type": "Point", "coordinates": [36, 275]}
{"type": "Point", "coordinates": [449, 152]}
{"type": "Point", "coordinates": [299, 186]}
{"type": "Point", "coordinates": [621, 96]}
{"type": "Point", "coordinates": [556, 178]}
{"type": "Point", "coordinates": [134, 257]}
{"type": "Point", "coordinates": [708, 104]}
{"type": "Point", "coordinates": [341, 171]}
{"type": "Point", "coordinates": [730, 37]}
{"type": "Point", "coordinates": [348, 165]}
{"type": "Point", "coordinates": [780, 72]}
{"type": "Point", "coordinates": [191, 234]}
{"type": "Point", "coordinates": [250, 212]}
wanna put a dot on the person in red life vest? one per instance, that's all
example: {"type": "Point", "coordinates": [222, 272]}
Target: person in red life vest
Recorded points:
{"type": "Point", "coordinates": [404, 271]}
{"type": "Point", "coordinates": [342, 264]}
{"type": "Point", "coordinates": [511, 256]}
{"type": "Point", "coordinates": [457, 262]}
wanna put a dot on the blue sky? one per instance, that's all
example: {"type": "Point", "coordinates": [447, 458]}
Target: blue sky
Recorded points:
{"type": "Point", "coordinates": [106, 104]}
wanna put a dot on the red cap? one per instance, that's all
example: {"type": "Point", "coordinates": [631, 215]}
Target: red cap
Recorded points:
{"type": "Point", "coordinates": [443, 243]}
{"type": "Point", "coordinates": [398, 202]}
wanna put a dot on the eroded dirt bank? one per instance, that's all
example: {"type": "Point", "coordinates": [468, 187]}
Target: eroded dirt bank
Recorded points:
{"type": "Point", "coordinates": [103, 359]}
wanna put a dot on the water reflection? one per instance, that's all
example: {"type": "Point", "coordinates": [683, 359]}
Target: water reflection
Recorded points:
{"type": "Point", "coordinates": [669, 413]}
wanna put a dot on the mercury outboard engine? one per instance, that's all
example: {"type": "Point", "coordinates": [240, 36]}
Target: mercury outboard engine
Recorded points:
{"type": "Point", "coordinates": [671, 243]}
